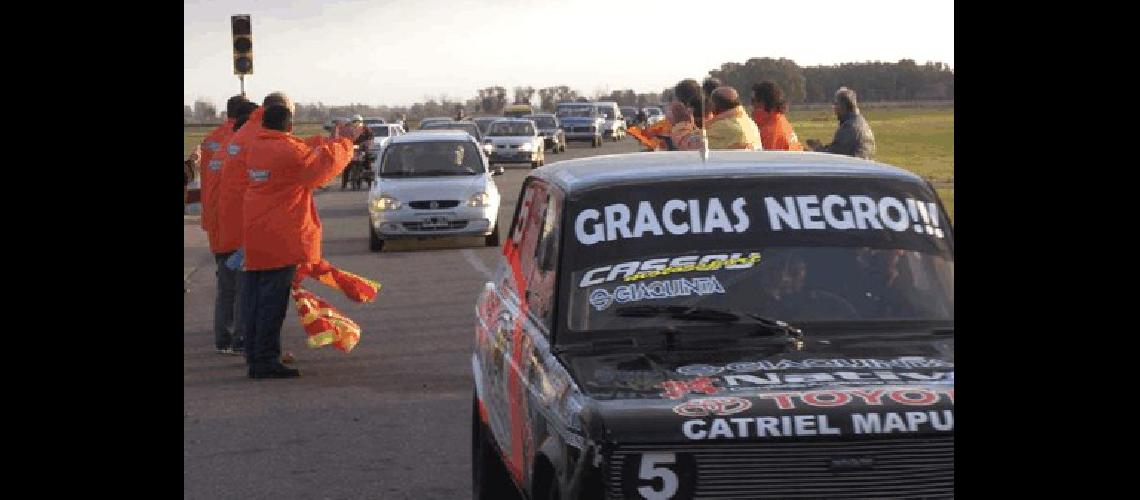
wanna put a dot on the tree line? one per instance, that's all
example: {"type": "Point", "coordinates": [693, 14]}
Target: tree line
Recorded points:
{"type": "Point", "coordinates": [904, 80]}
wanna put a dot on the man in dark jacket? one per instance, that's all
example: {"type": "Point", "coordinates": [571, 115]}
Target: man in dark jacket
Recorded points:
{"type": "Point", "coordinates": [853, 137]}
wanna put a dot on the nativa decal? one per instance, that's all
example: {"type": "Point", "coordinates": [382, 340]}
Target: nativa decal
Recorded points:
{"type": "Point", "coordinates": [904, 362]}
{"type": "Point", "coordinates": [677, 389]}
{"type": "Point", "coordinates": [602, 298]}
{"type": "Point", "coordinates": [638, 270]}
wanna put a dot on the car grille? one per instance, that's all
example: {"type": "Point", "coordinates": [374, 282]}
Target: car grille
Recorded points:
{"type": "Point", "coordinates": [426, 204]}
{"type": "Point", "coordinates": [453, 225]}
{"type": "Point", "coordinates": [581, 129]}
{"type": "Point", "coordinates": [907, 468]}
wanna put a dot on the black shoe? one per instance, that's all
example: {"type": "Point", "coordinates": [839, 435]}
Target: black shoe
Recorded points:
{"type": "Point", "coordinates": [274, 371]}
{"type": "Point", "coordinates": [236, 350]}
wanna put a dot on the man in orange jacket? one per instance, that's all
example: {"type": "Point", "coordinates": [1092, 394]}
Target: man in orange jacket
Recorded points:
{"type": "Point", "coordinates": [211, 160]}
{"type": "Point", "coordinates": [280, 226]}
{"type": "Point", "coordinates": [769, 113]}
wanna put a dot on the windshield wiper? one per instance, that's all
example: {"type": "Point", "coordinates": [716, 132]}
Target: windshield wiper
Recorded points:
{"type": "Point", "coordinates": [690, 313]}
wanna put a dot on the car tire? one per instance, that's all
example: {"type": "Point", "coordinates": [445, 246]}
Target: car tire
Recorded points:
{"type": "Point", "coordinates": [375, 244]}
{"type": "Point", "coordinates": [492, 240]}
{"type": "Point", "coordinates": [489, 477]}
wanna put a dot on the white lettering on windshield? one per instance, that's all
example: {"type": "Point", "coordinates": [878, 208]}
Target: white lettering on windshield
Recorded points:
{"type": "Point", "coordinates": [807, 212]}
{"type": "Point", "coordinates": [704, 216]}
{"type": "Point", "coordinates": [602, 298]}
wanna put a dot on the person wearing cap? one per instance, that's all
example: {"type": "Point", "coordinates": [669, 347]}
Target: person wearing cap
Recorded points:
{"type": "Point", "coordinates": [225, 340]}
{"type": "Point", "coordinates": [769, 108]}
{"type": "Point", "coordinates": [853, 137]}
{"type": "Point", "coordinates": [280, 226]}
{"type": "Point", "coordinates": [730, 126]}
{"type": "Point", "coordinates": [363, 141]}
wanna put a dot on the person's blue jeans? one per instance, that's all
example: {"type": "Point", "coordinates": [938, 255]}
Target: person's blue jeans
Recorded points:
{"type": "Point", "coordinates": [227, 326]}
{"type": "Point", "coordinates": [264, 301]}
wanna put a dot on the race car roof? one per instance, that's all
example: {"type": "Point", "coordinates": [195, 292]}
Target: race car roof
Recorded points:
{"type": "Point", "coordinates": [432, 135]}
{"type": "Point", "coordinates": [639, 168]}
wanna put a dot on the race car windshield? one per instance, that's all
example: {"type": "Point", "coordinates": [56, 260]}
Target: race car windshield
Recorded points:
{"type": "Point", "coordinates": [652, 111]}
{"type": "Point", "coordinates": [840, 251]}
{"type": "Point", "coordinates": [435, 158]}
{"type": "Point", "coordinates": [606, 112]}
{"type": "Point", "coordinates": [508, 129]}
{"type": "Point", "coordinates": [380, 131]}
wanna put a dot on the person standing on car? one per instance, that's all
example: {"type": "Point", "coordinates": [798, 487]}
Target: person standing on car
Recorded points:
{"type": "Point", "coordinates": [280, 226]}
{"type": "Point", "coordinates": [769, 108]}
{"type": "Point", "coordinates": [853, 137]}
{"type": "Point", "coordinates": [212, 156]}
{"type": "Point", "coordinates": [730, 127]}
{"type": "Point", "coordinates": [363, 142]}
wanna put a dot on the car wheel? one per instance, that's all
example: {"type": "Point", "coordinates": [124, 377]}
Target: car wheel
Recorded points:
{"type": "Point", "coordinates": [489, 476]}
{"type": "Point", "coordinates": [492, 240]}
{"type": "Point", "coordinates": [375, 244]}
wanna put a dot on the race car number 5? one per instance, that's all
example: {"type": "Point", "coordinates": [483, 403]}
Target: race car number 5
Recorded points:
{"type": "Point", "coordinates": [650, 471]}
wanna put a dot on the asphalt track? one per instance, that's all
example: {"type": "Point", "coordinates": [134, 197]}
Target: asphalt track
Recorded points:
{"type": "Point", "coordinates": [389, 420]}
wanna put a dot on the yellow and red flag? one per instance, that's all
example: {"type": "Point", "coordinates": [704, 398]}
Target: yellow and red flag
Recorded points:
{"type": "Point", "coordinates": [323, 323]}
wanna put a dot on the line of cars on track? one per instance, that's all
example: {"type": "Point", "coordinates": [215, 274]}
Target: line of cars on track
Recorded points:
{"type": "Point", "coordinates": [438, 181]}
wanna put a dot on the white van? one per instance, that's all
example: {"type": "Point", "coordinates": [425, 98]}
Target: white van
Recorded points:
{"type": "Point", "coordinates": [615, 122]}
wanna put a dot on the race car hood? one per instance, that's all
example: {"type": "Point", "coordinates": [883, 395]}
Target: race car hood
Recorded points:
{"type": "Point", "coordinates": [829, 389]}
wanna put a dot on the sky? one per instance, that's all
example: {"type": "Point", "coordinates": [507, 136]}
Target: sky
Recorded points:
{"type": "Point", "coordinates": [395, 53]}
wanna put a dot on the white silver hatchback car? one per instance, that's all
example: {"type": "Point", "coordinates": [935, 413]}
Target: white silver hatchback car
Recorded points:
{"type": "Point", "coordinates": [433, 184]}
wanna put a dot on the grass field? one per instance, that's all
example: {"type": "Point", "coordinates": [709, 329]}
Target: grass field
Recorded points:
{"type": "Point", "coordinates": [918, 139]}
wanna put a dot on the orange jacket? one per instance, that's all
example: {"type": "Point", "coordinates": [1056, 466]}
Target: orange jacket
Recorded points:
{"type": "Point", "coordinates": [280, 226]}
{"type": "Point", "coordinates": [212, 155]}
{"type": "Point", "coordinates": [231, 188]}
{"type": "Point", "coordinates": [661, 127]}
{"type": "Point", "coordinates": [775, 131]}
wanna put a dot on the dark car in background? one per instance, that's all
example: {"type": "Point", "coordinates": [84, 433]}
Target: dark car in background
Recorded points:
{"type": "Point", "coordinates": [629, 113]}
{"type": "Point", "coordinates": [757, 325]}
{"type": "Point", "coordinates": [551, 131]}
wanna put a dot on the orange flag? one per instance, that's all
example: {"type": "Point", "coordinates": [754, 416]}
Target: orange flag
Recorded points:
{"type": "Point", "coordinates": [323, 323]}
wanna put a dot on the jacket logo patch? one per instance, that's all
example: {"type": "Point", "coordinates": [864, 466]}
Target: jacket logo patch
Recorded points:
{"type": "Point", "coordinates": [215, 165]}
{"type": "Point", "coordinates": [233, 149]}
{"type": "Point", "coordinates": [213, 146]}
{"type": "Point", "coordinates": [258, 175]}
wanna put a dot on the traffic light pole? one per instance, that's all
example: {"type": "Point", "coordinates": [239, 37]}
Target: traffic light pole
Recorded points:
{"type": "Point", "coordinates": [242, 77]}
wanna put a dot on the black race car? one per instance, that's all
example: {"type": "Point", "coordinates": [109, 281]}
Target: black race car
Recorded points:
{"type": "Point", "coordinates": [757, 325]}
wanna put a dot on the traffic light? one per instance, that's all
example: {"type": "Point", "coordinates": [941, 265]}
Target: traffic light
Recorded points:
{"type": "Point", "coordinates": [242, 30]}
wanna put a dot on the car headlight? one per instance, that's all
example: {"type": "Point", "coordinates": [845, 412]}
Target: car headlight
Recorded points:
{"type": "Point", "coordinates": [479, 200]}
{"type": "Point", "coordinates": [385, 203]}
{"type": "Point", "coordinates": [526, 147]}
